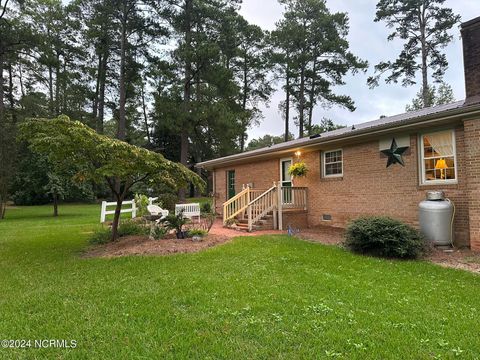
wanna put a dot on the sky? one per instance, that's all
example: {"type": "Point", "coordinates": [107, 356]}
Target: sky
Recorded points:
{"type": "Point", "coordinates": [368, 40]}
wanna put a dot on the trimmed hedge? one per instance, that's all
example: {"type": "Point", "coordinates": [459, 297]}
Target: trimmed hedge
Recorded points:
{"type": "Point", "coordinates": [385, 237]}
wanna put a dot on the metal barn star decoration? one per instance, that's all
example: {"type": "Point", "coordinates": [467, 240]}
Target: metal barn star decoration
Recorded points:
{"type": "Point", "coordinates": [395, 153]}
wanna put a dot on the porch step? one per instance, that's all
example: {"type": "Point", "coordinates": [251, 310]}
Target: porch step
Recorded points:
{"type": "Point", "coordinates": [265, 223]}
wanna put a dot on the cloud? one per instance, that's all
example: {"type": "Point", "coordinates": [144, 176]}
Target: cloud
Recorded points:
{"type": "Point", "coordinates": [368, 40]}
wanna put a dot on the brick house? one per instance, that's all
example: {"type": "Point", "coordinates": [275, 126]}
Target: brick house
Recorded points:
{"type": "Point", "coordinates": [348, 176]}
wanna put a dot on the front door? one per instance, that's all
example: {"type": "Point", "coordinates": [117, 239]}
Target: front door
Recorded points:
{"type": "Point", "coordinates": [230, 184]}
{"type": "Point", "coordinates": [286, 180]}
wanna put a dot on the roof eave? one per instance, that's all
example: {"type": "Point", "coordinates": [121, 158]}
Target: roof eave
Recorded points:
{"type": "Point", "coordinates": [449, 115]}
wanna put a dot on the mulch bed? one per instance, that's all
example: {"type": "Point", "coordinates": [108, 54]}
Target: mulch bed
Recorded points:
{"type": "Point", "coordinates": [142, 245]}
{"type": "Point", "coordinates": [323, 234]}
{"type": "Point", "coordinates": [463, 259]}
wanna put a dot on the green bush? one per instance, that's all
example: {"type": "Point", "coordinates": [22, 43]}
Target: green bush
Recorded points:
{"type": "Point", "coordinates": [158, 232]}
{"type": "Point", "coordinates": [197, 232]}
{"type": "Point", "coordinates": [384, 236]}
{"type": "Point", "coordinates": [101, 236]}
{"type": "Point", "coordinates": [126, 228]}
{"type": "Point", "coordinates": [141, 201]}
{"type": "Point", "coordinates": [130, 227]}
{"type": "Point", "coordinates": [206, 207]}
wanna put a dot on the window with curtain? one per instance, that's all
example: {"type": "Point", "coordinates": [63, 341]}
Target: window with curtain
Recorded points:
{"type": "Point", "coordinates": [333, 163]}
{"type": "Point", "coordinates": [438, 157]}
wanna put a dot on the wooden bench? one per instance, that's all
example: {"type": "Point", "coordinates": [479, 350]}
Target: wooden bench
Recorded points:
{"type": "Point", "coordinates": [190, 211]}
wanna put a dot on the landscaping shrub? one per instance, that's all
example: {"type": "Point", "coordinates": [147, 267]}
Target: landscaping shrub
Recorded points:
{"type": "Point", "coordinates": [384, 236]}
{"type": "Point", "coordinates": [175, 222]}
{"type": "Point", "coordinates": [101, 236]}
{"type": "Point", "coordinates": [197, 232]}
{"type": "Point", "coordinates": [126, 228]}
{"type": "Point", "coordinates": [141, 201]}
{"type": "Point", "coordinates": [158, 232]}
{"type": "Point", "coordinates": [130, 227]}
{"type": "Point", "coordinates": [206, 208]}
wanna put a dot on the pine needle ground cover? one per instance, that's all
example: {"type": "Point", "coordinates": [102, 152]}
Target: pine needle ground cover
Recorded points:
{"type": "Point", "coordinates": [256, 297]}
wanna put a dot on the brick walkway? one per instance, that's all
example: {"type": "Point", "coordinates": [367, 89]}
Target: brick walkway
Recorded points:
{"type": "Point", "coordinates": [218, 229]}
{"type": "Point", "coordinates": [323, 234]}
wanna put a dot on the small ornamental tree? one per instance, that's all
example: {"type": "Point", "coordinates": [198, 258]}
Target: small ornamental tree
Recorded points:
{"type": "Point", "coordinates": [99, 158]}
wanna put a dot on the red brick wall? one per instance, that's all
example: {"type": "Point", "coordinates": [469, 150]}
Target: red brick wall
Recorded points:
{"type": "Point", "coordinates": [472, 157]}
{"type": "Point", "coordinates": [471, 59]}
{"type": "Point", "coordinates": [367, 186]}
{"type": "Point", "coordinates": [295, 219]}
{"type": "Point", "coordinates": [262, 174]}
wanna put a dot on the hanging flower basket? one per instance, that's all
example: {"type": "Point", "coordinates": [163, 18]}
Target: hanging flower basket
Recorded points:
{"type": "Point", "coordinates": [298, 169]}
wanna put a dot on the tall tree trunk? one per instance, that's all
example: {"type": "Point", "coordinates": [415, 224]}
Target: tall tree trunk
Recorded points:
{"type": "Point", "coordinates": [287, 102]}
{"type": "Point", "coordinates": [2, 65]}
{"type": "Point", "coordinates": [424, 54]}
{"type": "Point", "coordinates": [144, 111]}
{"type": "Point", "coordinates": [312, 95]}
{"type": "Point", "coordinates": [301, 102]}
{"type": "Point", "coordinates": [63, 82]}
{"type": "Point", "coordinates": [198, 151]}
{"type": "Point", "coordinates": [20, 80]}
{"type": "Point", "coordinates": [11, 98]}
{"type": "Point", "coordinates": [50, 91]}
{"type": "Point", "coordinates": [3, 195]}
{"type": "Point", "coordinates": [122, 124]}
{"type": "Point", "coordinates": [101, 95]}
{"type": "Point", "coordinates": [187, 85]}
{"type": "Point", "coordinates": [57, 85]}
{"type": "Point", "coordinates": [55, 204]}
{"type": "Point", "coordinates": [97, 90]}
{"type": "Point", "coordinates": [244, 102]}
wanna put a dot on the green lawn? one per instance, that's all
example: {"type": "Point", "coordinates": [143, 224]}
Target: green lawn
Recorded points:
{"type": "Point", "coordinates": [260, 297]}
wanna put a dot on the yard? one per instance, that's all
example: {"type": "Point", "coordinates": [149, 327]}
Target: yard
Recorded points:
{"type": "Point", "coordinates": [255, 297]}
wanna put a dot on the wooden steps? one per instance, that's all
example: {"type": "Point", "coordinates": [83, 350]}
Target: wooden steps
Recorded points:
{"type": "Point", "coordinates": [265, 223]}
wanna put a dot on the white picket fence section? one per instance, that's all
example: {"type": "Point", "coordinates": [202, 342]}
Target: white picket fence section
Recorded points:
{"type": "Point", "coordinates": [106, 205]}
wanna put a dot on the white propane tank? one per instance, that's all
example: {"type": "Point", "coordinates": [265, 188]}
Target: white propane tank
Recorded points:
{"type": "Point", "coordinates": [435, 215]}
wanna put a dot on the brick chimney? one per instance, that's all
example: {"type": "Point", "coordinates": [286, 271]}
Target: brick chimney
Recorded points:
{"type": "Point", "coordinates": [471, 60]}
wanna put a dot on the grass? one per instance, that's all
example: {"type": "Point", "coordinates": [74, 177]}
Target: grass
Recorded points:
{"type": "Point", "coordinates": [258, 297]}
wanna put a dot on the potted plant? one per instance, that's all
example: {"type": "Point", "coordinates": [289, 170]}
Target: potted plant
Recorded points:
{"type": "Point", "coordinates": [176, 222]}
{"type": "Point", "coordinates": [298, 169]}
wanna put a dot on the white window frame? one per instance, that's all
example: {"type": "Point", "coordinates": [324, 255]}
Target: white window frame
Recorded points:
{"type": "Point", "coordinates": [324, 173]}
{"type": "Point", "coordinates": [423, 180]}
{"type": "Point", "coordinates": [281, 173]}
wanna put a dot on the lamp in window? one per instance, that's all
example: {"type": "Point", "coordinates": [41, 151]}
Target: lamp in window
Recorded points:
{"type": "Point", "coordinates": [441, 165]}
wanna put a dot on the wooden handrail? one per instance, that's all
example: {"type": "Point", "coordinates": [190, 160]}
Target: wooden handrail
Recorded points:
{"type": "Point", "coordinates": [275, 199]}
{"type": "Point", "coordinates": [262, 195]}
{"type": "Point", "coordinates": [236, 205]}
{"type": "Point", "coordinates": [260, 206]}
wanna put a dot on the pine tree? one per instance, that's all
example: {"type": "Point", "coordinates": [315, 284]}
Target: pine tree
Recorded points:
{"type": "Point", "coordinates": [317, 56]}
{"type": "Point", "coordinates": [443, 94]}
{"type": "Point", "coordinates": [424, 27]}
